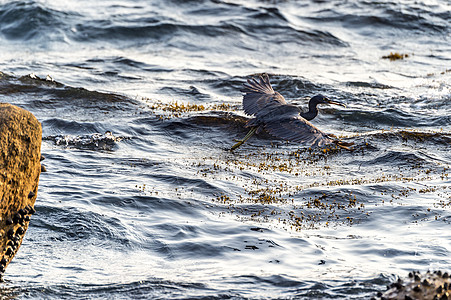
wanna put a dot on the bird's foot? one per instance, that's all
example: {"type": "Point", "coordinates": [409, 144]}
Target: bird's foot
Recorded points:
{"type": "Point", "coordinates": [240, 142]}
{"type": "Point", "coordinates": [345, 145]}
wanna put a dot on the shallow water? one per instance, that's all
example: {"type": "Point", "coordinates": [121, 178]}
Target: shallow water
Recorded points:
{"type": "Point", "coordinates": [139, 102]}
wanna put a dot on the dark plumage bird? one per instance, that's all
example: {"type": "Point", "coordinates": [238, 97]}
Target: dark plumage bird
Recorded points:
{"type": "Point", "coordinates": [280, 119]}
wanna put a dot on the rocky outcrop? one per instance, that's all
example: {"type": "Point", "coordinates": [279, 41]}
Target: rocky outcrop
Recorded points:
{"type": "Point", "coordinates": [432, 285]}
{"type": "Point", "coordinates": [20, 153]}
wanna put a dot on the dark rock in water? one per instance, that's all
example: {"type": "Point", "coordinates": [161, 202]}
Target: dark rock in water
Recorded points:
{"type": "Point", "coordinates": [432, 285]}
{"type": "Point", "coordinates": [20, 154]}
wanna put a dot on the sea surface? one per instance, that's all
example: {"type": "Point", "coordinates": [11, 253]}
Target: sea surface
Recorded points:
{"type": "Point", "coordinates": [139, 103]}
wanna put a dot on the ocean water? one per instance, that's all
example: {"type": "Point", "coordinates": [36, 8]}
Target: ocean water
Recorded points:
{"type": "Point", "coordinates": [140, 102]}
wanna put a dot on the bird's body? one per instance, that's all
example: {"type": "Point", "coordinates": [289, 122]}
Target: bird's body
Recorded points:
{"type": "Point", "coordinates": [273, 114]}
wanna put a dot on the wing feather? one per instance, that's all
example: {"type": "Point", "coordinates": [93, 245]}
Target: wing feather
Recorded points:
{"type": "Point", "coordinates": [299, 130]}
{"type": "Point", "coordinates": [259, 94]}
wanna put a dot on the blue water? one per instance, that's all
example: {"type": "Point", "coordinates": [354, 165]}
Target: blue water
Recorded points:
{"type": "Point", "coordinates": [141, 198]}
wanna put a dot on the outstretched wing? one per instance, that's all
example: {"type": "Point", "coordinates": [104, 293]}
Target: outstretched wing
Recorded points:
{"type": "Point", "coordinates": [297, 129]}
{"type": "Point", "coordinates": [259, 94]}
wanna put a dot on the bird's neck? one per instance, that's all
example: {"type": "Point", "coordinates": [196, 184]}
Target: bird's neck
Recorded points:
{"type": "Point", "coordinates": [312, 112]}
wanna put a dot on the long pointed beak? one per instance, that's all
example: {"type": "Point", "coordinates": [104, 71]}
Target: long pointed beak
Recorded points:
{"type": "Point", "coordinates": [334, 102]}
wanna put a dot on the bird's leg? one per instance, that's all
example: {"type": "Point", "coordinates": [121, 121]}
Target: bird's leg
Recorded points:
{"type": "Point", "coordinates": [248, 136]}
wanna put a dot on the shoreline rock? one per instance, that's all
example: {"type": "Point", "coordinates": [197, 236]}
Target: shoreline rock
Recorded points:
{"type": "Point", "coordinates": [20, 167]}
{"type": "Point", "coordinates": [432, 285]}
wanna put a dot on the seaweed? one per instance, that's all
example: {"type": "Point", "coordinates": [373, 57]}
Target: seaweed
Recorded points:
{"type": "Point", "coordinates": [395, 56]}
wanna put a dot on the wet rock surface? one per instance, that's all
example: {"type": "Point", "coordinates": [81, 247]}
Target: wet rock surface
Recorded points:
{"type": "Point", "coordinates": [431, 285]}
{"type": "Point", "coordinates": [20, 153]}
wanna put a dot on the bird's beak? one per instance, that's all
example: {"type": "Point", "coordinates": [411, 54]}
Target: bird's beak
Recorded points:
{"type": "Point", "coordinates": [334, 102]}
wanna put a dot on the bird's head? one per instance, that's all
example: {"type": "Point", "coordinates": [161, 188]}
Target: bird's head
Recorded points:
{"type": "Point", "coordinates": [320, 99]}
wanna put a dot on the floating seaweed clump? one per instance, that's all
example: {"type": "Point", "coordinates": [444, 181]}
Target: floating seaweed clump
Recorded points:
{"type": "Point", "coordinates": [395, 56]}
{"type": "Point", "coordinates": [302, 189]}
{"type": "Point", "coordinates": [176, 109]}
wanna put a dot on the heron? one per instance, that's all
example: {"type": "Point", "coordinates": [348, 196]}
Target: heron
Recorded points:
{"type": "Point", "coordinates": [286, 121]}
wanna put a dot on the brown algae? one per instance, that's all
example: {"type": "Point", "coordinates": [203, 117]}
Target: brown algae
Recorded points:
{"type": "Point", "coordinates": [175, 109]}
{"type": "Point", "coordinates": [395, 56]}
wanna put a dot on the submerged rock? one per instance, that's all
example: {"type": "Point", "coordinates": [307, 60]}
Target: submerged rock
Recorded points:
{"type": "Point", "coordinates": [20, 153]}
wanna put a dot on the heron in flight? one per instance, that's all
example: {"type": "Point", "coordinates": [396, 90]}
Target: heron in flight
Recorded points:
{"type": "Point", "coordinates": [281, 119]}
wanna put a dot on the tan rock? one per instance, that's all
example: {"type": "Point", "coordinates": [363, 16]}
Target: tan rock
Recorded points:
{"type": "Point", "coordinates": [20, 153]}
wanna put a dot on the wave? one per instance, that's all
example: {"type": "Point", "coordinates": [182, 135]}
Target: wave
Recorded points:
{"type": "Point", "coordinates": [387, 15]}
{"type": "Point", "coordinates": [165, 31]}
{"type": "Point", "coordinates": [143, 289]}
{"type": "Point", "coordinates": [95, 141]}
{"type": "Point", "coordinates": [26, 20]}
{"type": "Point", "coordinates": [441, 138]}
{"type": "Point", "coordinates": [74, 223]}
{"type": "Point", "coordinates": [393, 118]}
{"type": "Point", "coordinates": [250, 25]}
{"type": "Point", "coordinates": [32, 20]}
{"type": "Point", "coordinates": [373, 85]}
{"type": "Point", "coordinates": [46, 93]}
